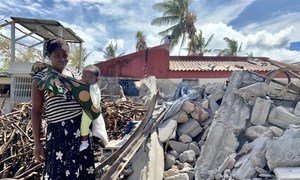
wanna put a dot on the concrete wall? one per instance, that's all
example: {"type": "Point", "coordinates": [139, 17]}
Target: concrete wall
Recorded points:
{"type": "Point", "coordinates": [7, 104]}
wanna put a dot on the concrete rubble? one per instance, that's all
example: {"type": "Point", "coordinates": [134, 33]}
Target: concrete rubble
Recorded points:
{"type": "Point", "coordinates": [239, 130]}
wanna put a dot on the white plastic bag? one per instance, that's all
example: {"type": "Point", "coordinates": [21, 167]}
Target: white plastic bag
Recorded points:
{"type": "Point", "coordinates": [99, 129]}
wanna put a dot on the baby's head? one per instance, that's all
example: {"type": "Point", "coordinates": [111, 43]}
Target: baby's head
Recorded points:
{"type": "Point", "coordinates": [90, 74]}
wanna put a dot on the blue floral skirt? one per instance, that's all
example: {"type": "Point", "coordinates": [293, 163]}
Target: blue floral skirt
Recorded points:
{"type": "Point", "coordinates": [63, 159]}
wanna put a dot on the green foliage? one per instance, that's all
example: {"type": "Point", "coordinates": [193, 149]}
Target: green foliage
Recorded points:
{"type": "Point", "coordinates": [110, 51]}
{"type": "Point", "coordinates": [177, 14]}
{"type": "Point", "coordinates": [201, 44]}
{"type": "Point", "coordinates": [22, 53]}
{"type": "Point", "coordinates": [140, 41]}
{"type": "Point", "coordinates": [233, 48]}
{"type": "Point", "coordinates": [75, 55]}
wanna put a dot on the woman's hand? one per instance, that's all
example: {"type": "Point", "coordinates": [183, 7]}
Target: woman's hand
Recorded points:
{"type": "Point", "coordinates": [39, 152]}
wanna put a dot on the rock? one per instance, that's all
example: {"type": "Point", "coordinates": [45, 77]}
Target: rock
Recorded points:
{"type": "Point", "coordinates": [284, 173]}
{"type": "Point", "coordinates": [282, 117]}
{"type": "Point", "coordinates": [266, 175]}
{"type": "Point", "coordinates": [179, 147]}
{"type": "Point", "coordinates": [297, 109]}
{"type": "Point", "coordinates": [212, 88]}
{"type": "Point", "coordinates": [169, 161]}
{"type": "Point", "coordinates": [195, 148]}
{"type": "Point", "coordinates": [183, 176]}
{"type": "Point", "coordinates": [185, 166]}
{"type": "Point", "coordinates": [227, 164]}
{"type": "Point", "coordinates": [174, 153]}
{"type": "Point", "coordinates": [254, 132]}
{"type": "Point", "coordinates": [284, 151]}
{"type": "Point", "coordinates": [167, 129]}
{"type": "Point", "coordinates": [260, 170]}
{"type": "Point", "coordinates": [201, 143]}
{"type": "Point", "coordinates": [170, 172]}
{"type": "Point", "coordinates": [191, 174]}
{"type": "Point", "coordinates": [181, 117]}
{"type": "Point", "coordinates": [260, 111]}
{"type": "Point", "coordinates": [191, 128]}
{"type": "Point", "coordinates": [205, 104]}
{"type": "Point", "coordinates": [188, 107]}
{"type": "Point", "coordinates": [251, 92]}
{"type": "Point", "coordinates": [276, 131]}
{"type": "Point", "coordinates": [199, 114]}
{"type": "Point", "coordinates": [187, 156]}
{"type": "Point", "coordinates": [256, 157]}
{"type": "Point", "coordinates": [218, 176]}
{"type": "Point", "coordinates": [185, 138]}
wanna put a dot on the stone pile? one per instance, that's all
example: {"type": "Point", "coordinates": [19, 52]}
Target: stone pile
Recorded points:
{"type": "Point", "coordinates": [238, 130]}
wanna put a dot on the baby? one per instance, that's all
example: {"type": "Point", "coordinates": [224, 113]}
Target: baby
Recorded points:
{"type": "Point", "coordinates": [90, 74]}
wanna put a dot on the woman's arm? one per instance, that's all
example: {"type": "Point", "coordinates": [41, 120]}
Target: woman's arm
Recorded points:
{"type": "Point", "coordinates": [36, 120]}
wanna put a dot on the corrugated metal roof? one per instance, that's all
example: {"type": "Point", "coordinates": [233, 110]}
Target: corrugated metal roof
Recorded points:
{"type": "Point", "coordinates": [251, 65]}
{"type": "Point", "coordinates": [48, 28]}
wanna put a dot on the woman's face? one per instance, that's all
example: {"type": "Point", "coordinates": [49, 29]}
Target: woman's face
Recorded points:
{"type": "Point", "coordinates": [59, 59]}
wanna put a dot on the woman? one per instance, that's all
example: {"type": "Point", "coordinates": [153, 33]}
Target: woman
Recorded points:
{"type": "Point", "coordinates": [63, 116]}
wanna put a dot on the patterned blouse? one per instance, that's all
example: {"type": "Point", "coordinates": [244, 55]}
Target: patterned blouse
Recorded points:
{"type": "Point", "coordinates": [60, 107]}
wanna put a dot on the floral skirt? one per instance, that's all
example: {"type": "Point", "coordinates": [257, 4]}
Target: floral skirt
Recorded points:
{"type": "Point", "coordinates": [63, 159]}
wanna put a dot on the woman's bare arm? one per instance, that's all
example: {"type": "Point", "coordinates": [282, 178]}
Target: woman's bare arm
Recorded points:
{"type": "Point", "coordinates": [36, 120]}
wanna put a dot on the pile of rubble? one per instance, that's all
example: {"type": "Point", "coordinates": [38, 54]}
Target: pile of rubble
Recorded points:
{"type": "Point", "coordinates": [233, 130]}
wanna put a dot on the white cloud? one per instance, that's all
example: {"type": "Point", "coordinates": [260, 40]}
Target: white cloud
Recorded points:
{"type": "Point", "coordinates": [261, 43]}
{"type": "Point", "coordinates": [277, 24]}
{"type": "Point", "coordinates": [225, 12]}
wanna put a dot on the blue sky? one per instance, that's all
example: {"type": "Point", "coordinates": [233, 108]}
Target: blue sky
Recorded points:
{"type": "Point", "coordinates": [265, 27]}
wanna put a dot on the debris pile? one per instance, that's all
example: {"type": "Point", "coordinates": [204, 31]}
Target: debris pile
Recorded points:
{"type": "Point", "coordinates": [16, 145]}
{"type": "Point", "coordinates": [234, 130]}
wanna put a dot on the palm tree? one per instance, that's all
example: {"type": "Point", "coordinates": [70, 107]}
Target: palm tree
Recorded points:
{"type": "Point", "coordinates": [140, 41]}
{"type": "Point", "coordinates": [177, 14]}
{"type": "Point", "coordinates": [111, 51]}
{"type": "Point", "coordinates": [233, 48]}
{"type": "Point", "coordinates": [201, 44]}
{"type": "Point", "coordinates": [75, 55]}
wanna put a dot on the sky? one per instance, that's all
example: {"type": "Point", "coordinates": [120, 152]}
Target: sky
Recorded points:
{"type": "Point", "coordinates": [268, 28]}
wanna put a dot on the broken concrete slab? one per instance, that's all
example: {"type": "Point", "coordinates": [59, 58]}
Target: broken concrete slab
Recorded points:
{"type": "Point", "coordinates": [281, 117]}
{"type": "Point", "coordinates": [155, 165]}
{"type": "Point", "coordinates": [287, 173]}
{"type": "Point", "coordinates": [254, 132]}
{"type": "Point", "coordinates": [251, 92]}
{"type": "Point", "coordinates": [183, 176]}
{"type": "Point", "coordinates": [148, 163]}
{"type": "Point", "coordinates": [256, 157]}
{"type": "Point", "coordinates": [212, 88]}
{"type": "Point", "coordinates": [284, 151]}
{"type": "Point", "coordinates": [191, 128]}
{"type": "Point", "coordinates": [297, 109]}
{"type": "Point", "coordinates": [227, 124]}
{"type": "Point", "coordinates": [167, 129]}
{"type": "Point", "coordinates": [179, 147]}
{"type": "Point", "coordinates": [260, 111]}
{"type": "Point", "coordinates": [276, 131]}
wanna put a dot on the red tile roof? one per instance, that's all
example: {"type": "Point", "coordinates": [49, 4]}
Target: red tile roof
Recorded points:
{"type": "Point", "coordinates": [219, 64]}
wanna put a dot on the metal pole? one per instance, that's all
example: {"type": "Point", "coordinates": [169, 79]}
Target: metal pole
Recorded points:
{"type": "Point", "coordinates": [12, 42]}
{"type": "Point", "coordinates": [80, 57]}
{"type": "Point", "coordinates": [12, 59]}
